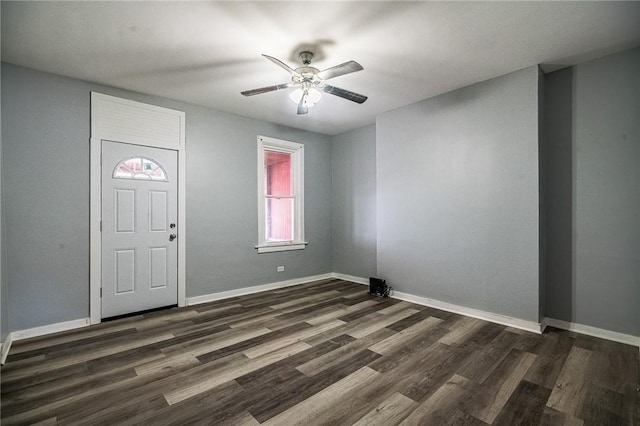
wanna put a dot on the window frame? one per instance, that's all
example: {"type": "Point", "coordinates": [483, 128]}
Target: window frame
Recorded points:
{"type": "Point", "coordinates": [297, 180]}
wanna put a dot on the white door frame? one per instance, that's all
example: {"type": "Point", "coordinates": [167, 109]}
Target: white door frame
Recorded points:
{"type": "Point", "coordinates": [134, 123]}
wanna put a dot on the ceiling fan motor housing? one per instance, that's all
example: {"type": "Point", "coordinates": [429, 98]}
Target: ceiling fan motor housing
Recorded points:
{"type": "Point", "coordinates": [306, 57]}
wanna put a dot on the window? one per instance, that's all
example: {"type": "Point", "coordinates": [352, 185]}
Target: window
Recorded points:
{"type": "Point", "coordinates": [140, 168]}
{"type": "Point", "coordinates": [280, 195]}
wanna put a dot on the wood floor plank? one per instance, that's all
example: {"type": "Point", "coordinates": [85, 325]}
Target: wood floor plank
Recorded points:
{"type": "Point", "coordinates": [525, 406]}
{"type": "Point", "coordinates": [182, 393]}
{"type": "Point", "coordinates": [311, 410]}
{"type": "Point", "coordinates": [83, 357]}
{"type": "Point", "coordinates": [390, 411]}
{"type": "Point", "coordinates": [207, 344]}
{"type": "Point", "coordinates": [317, 353]}
{"type": "Point", "coordinates": [10, 386]}
{"type": "Point", "coordinates": [304, 301]}
{"type": "Point", "coordinates": [117, 414]}
{"type": "Point", "coordinates": [490, 397]}
{"type": "Point", "coordinates": [320, 363]}
{"type": "Point", "coordinates": [272, 401]}
{"type": "Point", "coordinates": [439, 405]}
{"type": "Point", "coordinates": [551, 417]}
{"type": "Point", "coordinates": [271, 315]}
{"type": "Point", "coordinates": [275, 344]}
{"type": "Point", "coordinates": [482, 362]}
{"type": "Point", "coordinates": [72, 345]}
{"type": "Point", "coordinates": [608, 359]}
{"type": "Point", "coordinates": [277, 373]}
{"type": "Point", "coordinates": [249, 343]}
{"type": "Point", "coordinates": [365, 330]}
{"type": "Point", "coordinates": [435, 368]}
{"type": "Point", "coordinates": [245, 344]}
{"type": "Point", "coordinates": [601, 406]}
{"type": "Point", "coordinates": [140, 387]}
{"type": "Point", "coordinates": [397, 340]}
{"type": "Point", "coordinates": [422, 314]}
{"type": "Point", "coordinates": [285, 320]}
{"type": "Point", "coordinates": [217, 404]}
{"type": "Point", "coordinates": [344, 329]}
{"type": "Point", "coordinates": [400, 306]}
{"type": "Point", "coordinates": [36, 343]}
{"type": "Point", "coordinates": [167, 364]}
{"type": "Point", "coordinates": [549, 363]}
{"type": "Point", "coordinates": [460, 418]}
{"type": "Point", "coordinates": [341, 312]}
{"type": "Point", "coordinates": [462, 330]}
{"type": "Point", "coordinates": [571, 385]}
{"type": "Point", "coordinates": [47, 422]}
{"type": "Point", "coordinates": [32, 397]}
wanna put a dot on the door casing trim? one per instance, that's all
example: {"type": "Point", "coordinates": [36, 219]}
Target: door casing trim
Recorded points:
{"type": "Point", "coordinates": [134, 123]}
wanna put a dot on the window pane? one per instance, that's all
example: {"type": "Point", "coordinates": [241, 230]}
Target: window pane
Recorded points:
{"type": "Point", "coordinates": [279, 219]}
{"type": "Point", "coordinates": [139, 168]}
{"type": "Point", "coordinates": [277, 166]}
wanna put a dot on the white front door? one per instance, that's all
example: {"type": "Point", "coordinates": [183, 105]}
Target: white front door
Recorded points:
{"type": "Point", "coordinates": [139, 233]}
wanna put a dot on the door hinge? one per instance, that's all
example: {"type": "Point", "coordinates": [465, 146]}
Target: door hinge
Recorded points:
{"type": "Point", "coordinates": [100, 292]}
{"type": "Point", "coordinates": [101, 159]}
{"type": "Point", "coordinates": [100, 226]}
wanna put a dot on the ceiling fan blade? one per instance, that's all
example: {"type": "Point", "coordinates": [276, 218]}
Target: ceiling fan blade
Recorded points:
{"type": "Point", "coordinates": [302, 108]}
{"type": "Point", "coordinates": [266, 89]}
{"type": "Point", "coordinates": [338, 70]}
{"type": "Point", "coordinates": [281, 64]}
{"type": "Point", "coordinates": [346, 94]}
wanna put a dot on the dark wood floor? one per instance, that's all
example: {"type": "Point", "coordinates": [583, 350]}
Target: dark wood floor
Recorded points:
{"type": "Point", "coordinates": [320, 353]}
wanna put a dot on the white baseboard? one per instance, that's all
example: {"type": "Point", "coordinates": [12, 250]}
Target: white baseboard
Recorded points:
{"type": "Point", "coordinates": [6, 345]}
{"type": "Point", "coordinates": [457, 309]}
{"type": "Point", "coordinates": [254, 289]}
{"type": "Point", "coordinates": [521, 324]}
{"type": "Point", "coordinates": [594, 331]}
{"type": "Point", "coordinates": [353, 279]}
{"type": "Point", "coordinates": [48, 329]}
{"type": "Point", "coordinates": [39, 331]}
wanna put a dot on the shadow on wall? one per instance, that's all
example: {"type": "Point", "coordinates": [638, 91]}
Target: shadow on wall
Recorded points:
{"type": "Point", "coordinates": [561, 200]}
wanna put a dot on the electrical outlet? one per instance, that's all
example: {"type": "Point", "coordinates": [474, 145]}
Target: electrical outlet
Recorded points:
{"type": "Point", "coordinates": [280, 268]}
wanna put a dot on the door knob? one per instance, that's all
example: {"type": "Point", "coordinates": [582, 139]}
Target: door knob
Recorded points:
{"type": "Point", "coordinates": [172, 237]}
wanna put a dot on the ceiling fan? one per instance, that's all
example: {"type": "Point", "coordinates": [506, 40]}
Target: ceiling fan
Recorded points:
{"type": "Point", "coordinates": [310, 81]}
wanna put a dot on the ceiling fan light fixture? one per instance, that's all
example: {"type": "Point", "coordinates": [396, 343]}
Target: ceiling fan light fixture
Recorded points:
{"type": "Point", "coordinates": [308, 80]}
{"type": "Point", "coordinates": [313, 96]}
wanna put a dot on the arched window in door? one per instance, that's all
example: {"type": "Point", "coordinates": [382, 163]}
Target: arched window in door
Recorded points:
{"type": "Point", "coordinates": [140, 168]}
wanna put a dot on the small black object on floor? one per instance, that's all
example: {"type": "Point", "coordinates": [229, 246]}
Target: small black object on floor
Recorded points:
{"type": "Point", "coordinates": [378, 287]}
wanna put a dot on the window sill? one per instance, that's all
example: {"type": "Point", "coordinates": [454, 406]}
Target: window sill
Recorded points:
{"type": "Point", "coordinates": [270, 248]}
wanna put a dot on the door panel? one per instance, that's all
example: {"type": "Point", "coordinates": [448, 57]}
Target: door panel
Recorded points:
{"type": "Point", "coordinates": [139, 262]}
{"type": "Point", "coordinates": [158, 211]}
{"type": "Point", "coordinates": [125, 265]}
{"type": "Point", "coordinates": [125, 210]}
{"type": "Point", "coordinates": [158, 267]}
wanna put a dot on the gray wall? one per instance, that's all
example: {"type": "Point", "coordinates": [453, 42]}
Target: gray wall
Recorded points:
{"type": "Point", "coordinates": [46, 173]}
{"type": "Point", "coordinates": [46, 197]}
{"type": "Point", "coordinates": [560, 199]}
{"type": "Point", "coordinates": [4, 314]}
{"type": "Point", "coordinates": [542, 187]}
{"type": "Point", "coordinates": [593, 116]}
{"type": "Point", "coordinates": [457, 205]}
{"type": "Point", "coordinates": [222, 224]}
{"type": "Point", "coordinates": [353, 201]}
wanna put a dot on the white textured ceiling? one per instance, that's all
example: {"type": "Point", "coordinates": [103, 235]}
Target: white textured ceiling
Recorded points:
{"type": "Point", "coordinates": [206, 53]}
